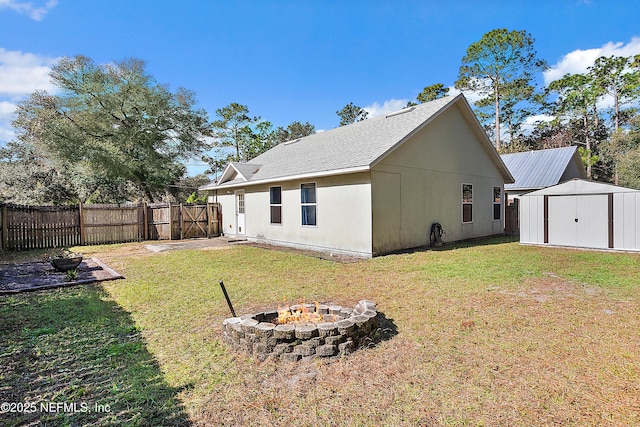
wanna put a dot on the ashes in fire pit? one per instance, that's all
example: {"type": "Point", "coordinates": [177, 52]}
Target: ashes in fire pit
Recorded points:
{"type": "Point", "coordinates": [303, 331]}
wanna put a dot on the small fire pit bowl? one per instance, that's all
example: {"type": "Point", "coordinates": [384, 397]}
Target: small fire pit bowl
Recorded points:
{"type": "Point", "coordinates": [332, 331]}
{"type": "Point", "coordinates": [66, 264]}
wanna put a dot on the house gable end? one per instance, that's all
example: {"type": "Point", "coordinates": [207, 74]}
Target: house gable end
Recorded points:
{"type": "Point", "coordinates": [230, 173]}
{"type": "Point", "coordinates": [473, 123]}
{"type": "Point", "coordinates": [234, 171]}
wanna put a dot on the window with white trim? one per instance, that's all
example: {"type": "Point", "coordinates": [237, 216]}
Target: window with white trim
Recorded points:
{"type": "Point", "coordinates": [308, 203]}
{"type": "Point", "coordinates": [497, 203]}
{"type": "Point", "coordinates": [275, 204]}
{"type": "Point", "coordinates": [467, 203]}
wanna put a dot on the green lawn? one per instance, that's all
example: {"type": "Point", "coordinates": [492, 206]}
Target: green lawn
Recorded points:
{"type": "Point", "coordinates": [490, 333]}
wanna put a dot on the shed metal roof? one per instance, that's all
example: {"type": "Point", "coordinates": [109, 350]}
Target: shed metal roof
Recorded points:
{"type": "Point", "coordinates": [578, 186]}
{"type": "Point", "coordinates": [533, 170]}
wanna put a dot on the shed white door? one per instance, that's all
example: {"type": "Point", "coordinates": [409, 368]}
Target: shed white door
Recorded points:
{"type": "Point", "coordinates": [581, 220]}
{"type": "Point", "coordinates": [240, 212]}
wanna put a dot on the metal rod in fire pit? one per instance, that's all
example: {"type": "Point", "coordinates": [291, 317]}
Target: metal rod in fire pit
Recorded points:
{"type": "Point", "coordinates": [224, 291]}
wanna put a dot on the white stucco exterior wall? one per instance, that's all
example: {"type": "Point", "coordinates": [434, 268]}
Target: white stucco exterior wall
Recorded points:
{"type": "Point", "coordinates": [227, 209]}
{"type": "Point", "coordinates": [343, 215]}
{"type": "Point", "coordinates": [421, 183]}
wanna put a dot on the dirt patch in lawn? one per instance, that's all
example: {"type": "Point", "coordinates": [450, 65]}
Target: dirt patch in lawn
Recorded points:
{"type": "Point", "coordinates": [553, 287]}
{"type": "Point", "coordinates": [34, 276]}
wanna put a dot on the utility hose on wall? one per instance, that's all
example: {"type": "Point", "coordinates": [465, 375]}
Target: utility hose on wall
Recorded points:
{"type": "Point", "coordinates": [437, 234]}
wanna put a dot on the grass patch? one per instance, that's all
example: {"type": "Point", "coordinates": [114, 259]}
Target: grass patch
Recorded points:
{"type": "Point", "coordinates": [489, 333]}
{"type": "Point", "coordinates": [76, 346]}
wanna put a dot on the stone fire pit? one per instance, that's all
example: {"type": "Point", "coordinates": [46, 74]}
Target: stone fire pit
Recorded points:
{"type": "Point", "coordinates": [335, 332]}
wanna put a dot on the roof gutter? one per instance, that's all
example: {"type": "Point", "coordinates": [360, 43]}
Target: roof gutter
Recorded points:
{"type": "Point", "coordinates": [287, 178]}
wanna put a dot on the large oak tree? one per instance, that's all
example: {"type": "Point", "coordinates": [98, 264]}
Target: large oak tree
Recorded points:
{"type": "Point", "coordinates": [113, 123]}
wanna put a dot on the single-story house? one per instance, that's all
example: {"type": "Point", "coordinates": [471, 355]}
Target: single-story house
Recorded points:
{"type": "Point", "coordinates": [372, 187]}
{"type": "Point", "coordinates": [535, 170]}
{"type": "Point", "coordinates": [581, 213]}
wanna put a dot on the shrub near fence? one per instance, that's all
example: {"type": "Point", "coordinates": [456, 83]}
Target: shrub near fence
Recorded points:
{"type": "Point", "coordinates": [41, 227]}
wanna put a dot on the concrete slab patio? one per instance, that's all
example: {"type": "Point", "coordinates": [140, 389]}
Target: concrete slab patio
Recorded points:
{"type": "Point", "coordinates": [213, 243]}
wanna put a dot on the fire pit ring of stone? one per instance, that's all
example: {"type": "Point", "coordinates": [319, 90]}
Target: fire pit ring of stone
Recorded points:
{"type": "Point", "coordinates": [336, 332]}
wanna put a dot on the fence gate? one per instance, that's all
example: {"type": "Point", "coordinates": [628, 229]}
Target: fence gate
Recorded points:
{"type": "Point", "coordinates": [193, 221]}
{"type": "Point", "coordinates": [512, 218]}
{"type": "Point", "coordinates": [159, 221]}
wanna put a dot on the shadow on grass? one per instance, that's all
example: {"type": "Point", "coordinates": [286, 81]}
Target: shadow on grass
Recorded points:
{"type": "Point", "coordinates": [68, 357]}
{"type": "Point", "coordinates": [449, 246]}
{"type": "Point", "coordinates": [386, 330]}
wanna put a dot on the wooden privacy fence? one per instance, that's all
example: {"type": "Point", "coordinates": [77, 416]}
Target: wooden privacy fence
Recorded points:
{"type": "Point", "coordinates": [40, 227]}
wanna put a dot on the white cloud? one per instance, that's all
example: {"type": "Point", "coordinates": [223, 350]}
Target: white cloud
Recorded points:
{"type": "Point", "coordinates": [471, 96]}
{"type": "Point", "coordinates": [578, 61]}
{"type": "Point", "coordinates": [23, 73]}
{"type": "Point", "coordinates": [20, 74]}
{"type": "Point", "coordinates": [387, 107]}
{"type": "Point", "coordinates": [37, 13]}
{"type": "Point", "coordinates": [392, 105]}
{"type": "Point", "coordinates": [531, 122]}
{"type": "Point", "coordinates": [6, 134]}
{"type": "Point", "coordinates": [6, 114]}
{"type": "Point", "coordinates": [6, 109]}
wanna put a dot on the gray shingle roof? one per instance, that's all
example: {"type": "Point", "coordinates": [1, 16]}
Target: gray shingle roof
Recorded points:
{"type": "Point", "coordinates": [348, 148]}
{"type": "Point", "coordinates": [247, 170]}
{"type": "Point", "coordinates": [537, 169]}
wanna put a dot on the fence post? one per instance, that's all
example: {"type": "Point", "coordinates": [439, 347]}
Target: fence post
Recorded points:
{"type": "Point", "coordinates": [82, 229]}
{"type": "Point", "coordinates": [208, 220]}
{"type": "Point", "coordinates": [170, 222]}
{"type": "Point", "coordinates": [213, 228]}
{"type": "Point", "coordinates": [181, 222]}
{"type": "Point", "coordinates": [4, 243]}
{"type": "Point", "coordinates": [145, 222]}
{"type": "Point", "coordinates": [216, 219]}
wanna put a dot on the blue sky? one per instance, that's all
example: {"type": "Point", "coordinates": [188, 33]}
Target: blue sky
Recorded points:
{"type": "Point", "coordinates": [298, 60]}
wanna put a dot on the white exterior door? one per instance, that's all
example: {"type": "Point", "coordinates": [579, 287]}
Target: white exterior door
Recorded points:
{"type": "Point", "coordinates": [240, 212]}
{"type": "Point", "coordinates": [581, 220]}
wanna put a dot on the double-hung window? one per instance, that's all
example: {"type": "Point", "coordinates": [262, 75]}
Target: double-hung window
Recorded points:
{"type": "Point", "coordinates": [497, 203]}
{"type": "Point", "coordinates": [467, 203]}
{"type": "Point", "coordinates": [308, 203]}
{"type": "Point", "coordinates": [275, 203]}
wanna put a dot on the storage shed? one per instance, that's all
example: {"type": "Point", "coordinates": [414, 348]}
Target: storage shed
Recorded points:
{"type": "Point", "coordinates": [584, 214]}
